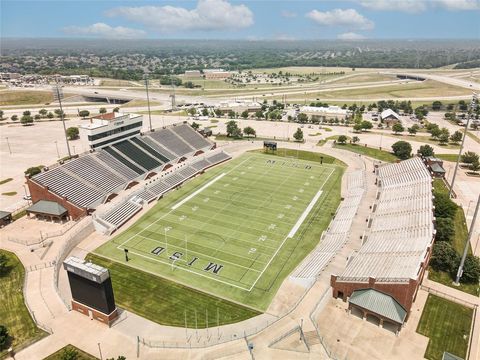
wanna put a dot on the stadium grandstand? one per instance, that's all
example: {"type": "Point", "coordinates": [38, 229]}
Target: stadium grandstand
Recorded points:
{"type": "Point", "coordinates": [83, 183]}
{"type": "Point", "coordinates": [396, 246]}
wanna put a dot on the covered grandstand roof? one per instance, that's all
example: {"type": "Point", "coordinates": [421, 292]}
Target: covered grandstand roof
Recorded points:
{"type": "Point", "coordinates": [379, 303]}
{"type": "Point", "coordinates": [401, 226]}
{"type": "Point", "coordinates": [47, 207]}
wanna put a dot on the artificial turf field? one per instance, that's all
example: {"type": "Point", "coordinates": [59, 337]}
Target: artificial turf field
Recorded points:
{"type": "Point", "coordinates": [236, 231]}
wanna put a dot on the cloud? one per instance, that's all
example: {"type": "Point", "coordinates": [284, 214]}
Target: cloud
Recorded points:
{"type": "Point", "coordinates": [208, 15]}
{"type": "Point", "coordinates": [288, 14]}
{"type": "Point", "coordinates": [410, 6]}
{"type": "Point", "coordinates": [105, 31]}
{"type": "Point", "coordinates": [459, 4]}
{"type": "Point", "coordinates": [417, 6]}
{"type": "Point", "coordinates": [348, 18]}
{"type": "Point", "coordinates": [350, 36]}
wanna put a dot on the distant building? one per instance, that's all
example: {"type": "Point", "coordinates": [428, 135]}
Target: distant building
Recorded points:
{"type": "Point", "coordinates": [216, 74]}
{"type": "Point", "coordinates": [389, 117]}
{"type": "Point", "coordinates": [319, 113]}
{"type": "Point", "coordinates": [435, 166]}
{"type": "Point", "coordinates": [193, 73]}
{"type": "Point", "coordinates": [239, 106]}
{"type": "Point", "coordinates": [109, 128]}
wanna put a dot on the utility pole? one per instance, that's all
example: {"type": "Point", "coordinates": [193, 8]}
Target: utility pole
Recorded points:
{"type": "Point", "coordinates": [465, 250]}
{"type": "Point", "coordinates": [8, 144]}
{"type": "Point", "coordinates": [145, 77]}
{"type": "Point", "coordinates": [473, 106]}
{"type": "Point", "coordinates": [58, 95]}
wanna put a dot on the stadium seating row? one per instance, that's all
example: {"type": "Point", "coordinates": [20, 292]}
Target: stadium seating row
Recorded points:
{"type": "Point", "coordinates": [400, 227]}
{"type": "Point", "coordinates": [335, 237]}
{"type": "Point", "coordinates": [87, 180]}
{"type": "Point", "coordinates": [159, 185]}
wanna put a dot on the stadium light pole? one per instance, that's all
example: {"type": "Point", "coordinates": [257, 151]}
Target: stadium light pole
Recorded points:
{"type": "Point", "coordinates": [145, 77]}
{"type": "Point", "coordinates": [473, 105]}
{"type": "Point", "coordinates": [58, 95]}
{"type": "Point", "coordinates": [465, 250]}
{"type": "Point", "coordinates": [8, 144]}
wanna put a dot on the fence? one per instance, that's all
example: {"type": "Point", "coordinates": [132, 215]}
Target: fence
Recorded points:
{"type": "Point", "coordinates": [449, 297]}
{"type": "Point", "coordinates": [313, 315]}
{"type": "Point", "coordinates": [61, 232]}
{"type": "Point", "coordinates": [84, 229]}
{"type": "Point", "coordinates": [221, 339]}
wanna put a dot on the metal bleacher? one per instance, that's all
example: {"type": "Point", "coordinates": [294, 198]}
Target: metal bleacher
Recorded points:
{"type": "Point", "coordinates": [135, 154]}
{"type": "Point", "coordinates": [157, 187]}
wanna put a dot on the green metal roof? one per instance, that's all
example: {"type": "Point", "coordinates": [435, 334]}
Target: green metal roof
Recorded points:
{"type": "Point", "coordinates": [379, 303]}
{"type": "Point", "coordinates": [4, 214]}
{"type": "Point", "coordinates": [448, 356]}
{"type": "Point", "coordinates": [437, 168]}
{"type": "Point", "coordinates": [47, 207]}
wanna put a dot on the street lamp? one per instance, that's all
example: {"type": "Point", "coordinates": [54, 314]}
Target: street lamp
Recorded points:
{"type": "Point", "coordinates": [8, 144]}
{"type": "Point", "coordinates": [145, 78]}
{"type": "Point", "coordinates": [58, 95]}
{"type": "Point", "coordinates": [56, 146]}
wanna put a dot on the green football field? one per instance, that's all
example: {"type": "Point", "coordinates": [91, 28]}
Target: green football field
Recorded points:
{"type": "Point", "coordinates": [236, 231]}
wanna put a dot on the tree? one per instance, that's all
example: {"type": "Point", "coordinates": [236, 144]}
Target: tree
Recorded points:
{"type": "Point", "coordinates": [58, 112]}
{"type": "Point", "coordinates": [218, 112]}
{"type": "Point", "coordinates": [471, 270]}
{"type": "Point", "coordinates": [355, 139]}
{"type": "Point", "coordinates": [116, 109]}
{"type": "Point", "coordinates": [231, 127]}
{"type": "Point", "coordinates": [204, 112]}
{"type": "Point", "coordinates": [84, 113]}
{"type": "Point", "coordinates": [195, 125]}
{"type": "Point", "coordinates": [444, 257]}
{"type": "Point", "coordinates": [27, 113]}
{"type": "Point", "coordinates": [398, 128]}
{"type": "Point", "coordinates": [443, 138]}
{"type": "Point", "coordinates": [445, 229]}
{"type": "Point", "coordinates": [426, 150]}
{"type": "Point", "coordinates": [357, 127]}
{"type": "Point", "coordinates": [475, 166]}
{"type": "Point", "coordinates": [402, 149]}
{"type": "Point", "coordinates": [469, 157]}
{"type": "Point", "coordinates": [14, 117]}
{"type": "Point", "coordinates": [50, 115]}
{"type": "Point", "coordinates": [192, 111]}
{"type": "Point", "coordinates": [43, 112]}
{"type": "Point", "coordinates": [412, 130]}
{"type": "Point", "coordinates": [102, 110]}
{"type": "Point", "coordinates": [444, 206]}
{"type": "Point", "coordinates": [298, 135]}
{"type": "Point", "coordinates": [1, 114]}
{"type": "Point", "coordinates": [3, 337]}
{"type": "Point", "coordinates": [249, 131]}
{"type": "Point", "coordinates": [435, 132]}
{"type": "Point", "coordinates": [72, 133]}
{"type": "Point", "coordinates": [366, 125]}
{"type": "Point", "coordinates": [3, 264]}
{"type": "Point", "coordinates": [436, 105]}
{"type": "Point", "coordinates": [259, 114]}
{"type": "Point", "coordinates": [342, 139]}
{"type": "Point", "coordinates": [69, 353]}
{"type": "Point", "coordinates": [37, 117]}
{"type": "Point", "coordinates": [245, 114]}
{"type": "Point", "coordinates": [26, 120]}
{"type": "Point", "coordinates": [302, 118]}
{"type": "Point", "coordinates": [34, 170]}
{"type": "Point", "coordinates": [456, 137]}
{"type": "Point", "coordinates": [232, 114]}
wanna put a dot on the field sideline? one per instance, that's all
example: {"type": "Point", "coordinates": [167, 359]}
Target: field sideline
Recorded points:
{"type": "Point", "coordinates": [236, 231]}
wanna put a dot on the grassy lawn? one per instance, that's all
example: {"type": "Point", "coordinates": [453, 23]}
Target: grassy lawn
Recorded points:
{"type": "Point", "coordinates": [447, 157]}
{"type": "Point", "coordinates": [373, 153]}
{"type": "Point", "coordinates": [13, 312]}
{"type": "Point", "coordinates": [26, 97]}
{"type": "Point", "coordinates": [422, 139]}
{"type": "Point", "coordinates": [445, 279]}
{"type": "Point", "coordinates": [473, 136]}
{"type": "Point", "coordinates": [139, 103]}
{"type": "Point", "coordinates": [303, 155]}
{"type": "Point", "coordinates": [81, 355]}
{"type": "Point", "coordinates": [445, 323]}
{"type": "Point", "coordinates": [367, 77]}
{"type": "Point", "coordinates": [115, 82]}
{"type": "Point", "coordinates": [5, 181]}
{"type": "Point", "coordinates": [9, 193]}
{"type": "Point", "coordinates": [165, 301]}
{"type": "Point", "coordinates": [334, 137]}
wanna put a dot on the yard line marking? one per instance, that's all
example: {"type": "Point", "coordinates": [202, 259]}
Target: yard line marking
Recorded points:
{"type": "Point", "coordinates": [161, 217]}
{"type": "Point", "coordinates": [184, 200]}
{"type": "Point", "coordinates": [221, 261]}
{"type": "Point", "coordinates": [283, 242]}
{"type": "Point", "coordinates": [309, 208]}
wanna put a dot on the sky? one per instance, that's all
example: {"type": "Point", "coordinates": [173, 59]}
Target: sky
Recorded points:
{"type": "Point", "coordinates": [246, 20]}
